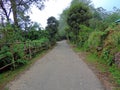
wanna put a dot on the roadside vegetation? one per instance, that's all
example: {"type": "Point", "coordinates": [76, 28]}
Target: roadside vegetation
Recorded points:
{"type": "Point", "coordinates": [21, 40]}
{"type": "Point", "coordinates": [93, 30]}
{"type": "Point", "coordinates": [109, 75]}
{"type": "Point", "coordinates": [96, 31]}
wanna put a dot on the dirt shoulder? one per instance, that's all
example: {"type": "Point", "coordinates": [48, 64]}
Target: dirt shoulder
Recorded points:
{"type": "Point", "coordinates": [103, 74]}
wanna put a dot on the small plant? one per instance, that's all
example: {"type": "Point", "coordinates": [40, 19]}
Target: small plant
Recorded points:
{"type": "Point", "coordinates": [116, 73]}
{"type": "Point", "coordinates": [5, 56]}
{"type": "Point", "coordinates": [94, 40]}
{"type": "Point", "coordinates": [83, 35]}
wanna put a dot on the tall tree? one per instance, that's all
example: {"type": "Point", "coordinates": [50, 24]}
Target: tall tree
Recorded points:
{"type": "Point", "coordinates": [5, 9]}
{"type": "Point", "coordinates": [14, 10]}
{"type": "Point", "coordinates": [74, 2]}
{"type": "Point", "coordinates": [17, 7]}
{"type": "Point", "coordinates": [78, 14]}
{"type": "Point", "coordinates": [113, 16]}
{"type": "Point", "coordinates": [63, 23]}
{"type": "Point", "coordinates": [52, 27]}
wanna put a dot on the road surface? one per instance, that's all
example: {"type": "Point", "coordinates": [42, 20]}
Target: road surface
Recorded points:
{"type": "Point", "coordinates": [60, 69]}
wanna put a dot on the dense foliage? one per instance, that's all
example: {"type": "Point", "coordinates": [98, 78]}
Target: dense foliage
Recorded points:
{"type": "Point", "coordinates": [78, 14]}
{"type": "Point", "coordinates": [18, 9]}
{"type": "Point", "coordinates": [62, 25]}
{"type": "Point", "coordinates": [93, 29]}
{"type": "Point", "coordinates": [22, 39]}
{"type": "Point", "coordinates": [52, 27]}
{"type": "Point", "coordinates": [16, 48]}
{"type": "Point", "coordinates": [90, 28]}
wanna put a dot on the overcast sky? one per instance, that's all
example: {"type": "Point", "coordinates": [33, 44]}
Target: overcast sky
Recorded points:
{"type": "Point", "coordinates": [52, 8]}
{"type": "Point", "coordinates": [55, 8]}
{"type": "Point", "coordinates": [107, 4]}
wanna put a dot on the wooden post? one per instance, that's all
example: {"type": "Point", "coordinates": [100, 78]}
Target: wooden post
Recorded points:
{"type": "Point", "coordinates": [35, 47]}
{"type": "Point", "coordinates": [13, 60]}
{"type": "Point", "coordinates": [25, 49]}
{"type": "Point", "coordinates": [29, 51]}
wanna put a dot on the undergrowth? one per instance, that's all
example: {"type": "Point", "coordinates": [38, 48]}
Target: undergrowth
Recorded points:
{"type": "Point", "coordinates": [10, 75]}
{"type": "Point", "coordinates": [102, 66]}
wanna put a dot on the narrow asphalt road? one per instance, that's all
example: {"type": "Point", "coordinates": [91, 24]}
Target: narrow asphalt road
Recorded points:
{"type": "Point", "coordinates": [60, 69]}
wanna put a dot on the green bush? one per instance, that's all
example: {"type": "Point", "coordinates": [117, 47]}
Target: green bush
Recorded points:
{"type": "Point", "coordinates": [83, 35]}
{"type": "Point", "coordinates": [111, 44]}
{"type": "Point", "coordinates": [5, 56]}
{"type": "Point", "coordinates": [21, 62]}
{"type": "Point", "coordinates": [10, 35]}
{"type": "Point", "coordinates": [94, 41]}
{"type": "Point", "coordinates": [116, 73]}
{"type": "Point", "coordinates": [18, 53]}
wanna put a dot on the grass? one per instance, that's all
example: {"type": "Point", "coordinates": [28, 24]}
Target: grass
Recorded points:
{"type": "Point", "coordinates": [10, 75]}
{"type": "Point", "coordinates": [101, 66]}
{"type": "Point", "coordinates": [92, 58]}
{"type": "Point", "coordinates": [115, 73]}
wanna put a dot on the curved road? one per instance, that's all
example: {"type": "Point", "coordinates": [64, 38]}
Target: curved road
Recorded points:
{"type": "Point", "coordinates": [60, 69]}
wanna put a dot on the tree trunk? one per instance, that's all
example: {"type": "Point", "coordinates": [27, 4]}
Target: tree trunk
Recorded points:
{"type": "Point", "coordinates": [14, 10]}
{"type": "Point", "coordinates": [4, 10]}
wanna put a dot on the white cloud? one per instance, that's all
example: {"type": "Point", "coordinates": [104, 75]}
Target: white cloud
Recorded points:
{"type": "Point", "coordinates": [52, 8]}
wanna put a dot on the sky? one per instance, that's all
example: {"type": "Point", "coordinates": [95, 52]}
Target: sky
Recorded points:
{"type": "Point", "coordinates": [55, 8]}
{"type": "Point", "coordinates": [106, 4]}
{"type": "Point", "coordinates": [52, 8]}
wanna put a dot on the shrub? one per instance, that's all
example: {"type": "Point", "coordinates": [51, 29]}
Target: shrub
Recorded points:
{"type": "Point", "coordinates": [111, 44]}
{"type": "Point", "coordinates": [83, 35]}
{"type": "Point", "coordinates": [94, 41]}
{"type": "Point", "coordinates": [5, 56]}
{"type": "Point", "coordinates": [18, 53]}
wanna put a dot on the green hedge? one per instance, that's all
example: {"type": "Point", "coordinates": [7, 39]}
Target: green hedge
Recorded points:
{"type": "Point", "coordinates": [19, 53]}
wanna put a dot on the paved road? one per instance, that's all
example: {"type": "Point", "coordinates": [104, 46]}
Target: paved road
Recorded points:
{"type": "Point", "coordinates": [60, 69]}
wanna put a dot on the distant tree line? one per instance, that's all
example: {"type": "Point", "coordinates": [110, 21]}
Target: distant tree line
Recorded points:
{"type": "Point", "coordinates": [22, 38]}
{"type": "Point", "coordinates": [93, 29]}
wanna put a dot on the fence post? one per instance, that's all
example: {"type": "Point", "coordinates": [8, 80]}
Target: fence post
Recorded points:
{"type": "Point", "coordinates": [25, 49]}
{"type": "Point", "coordinates": [29, 50]}
{"type": "Point", "coordinates": [13, 60]}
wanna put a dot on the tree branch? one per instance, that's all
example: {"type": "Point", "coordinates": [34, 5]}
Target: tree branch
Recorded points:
{"type": "Point", "coordinates": [4, 10]}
